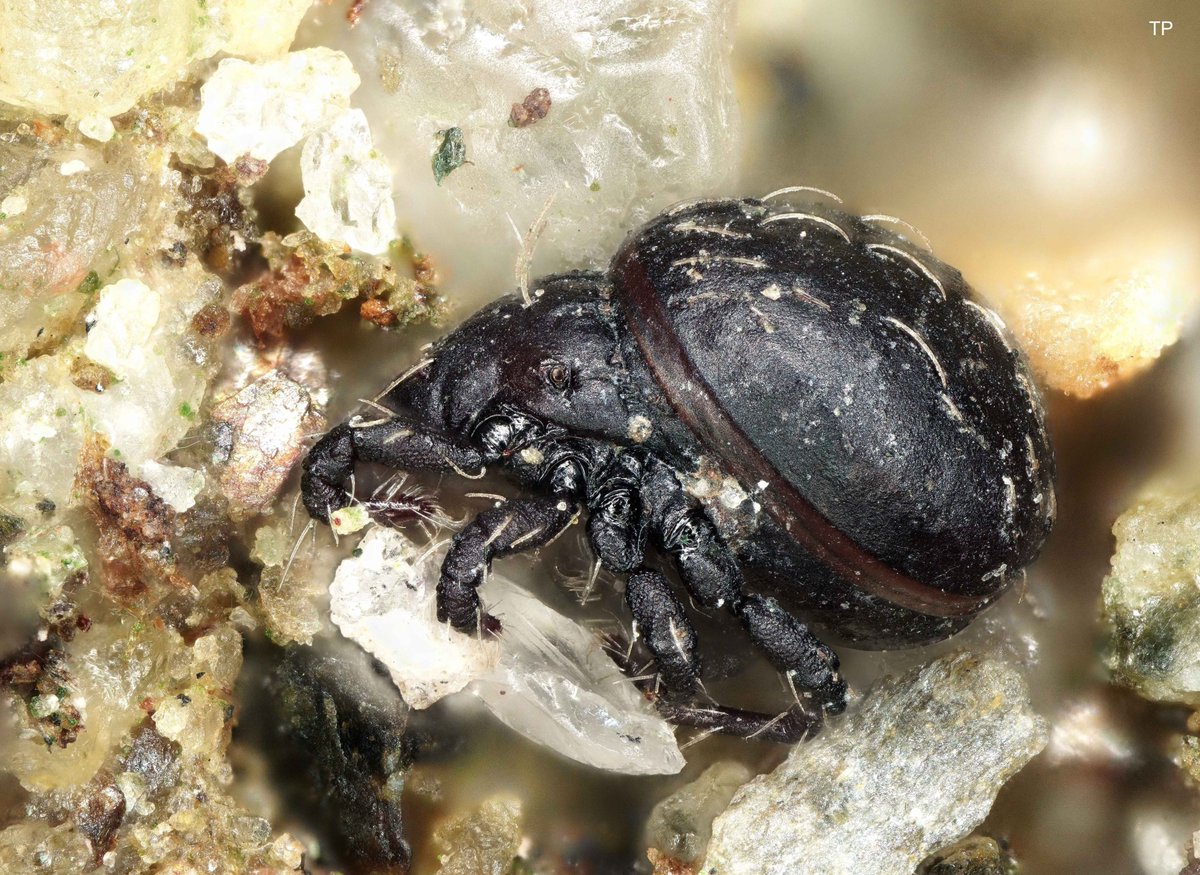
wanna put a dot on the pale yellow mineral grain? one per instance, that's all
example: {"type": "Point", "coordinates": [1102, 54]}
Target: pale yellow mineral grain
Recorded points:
{"type": "Point", "coordinates": [61, 236]}
{"type": "Point", "coordinates": [483, 841]}
{"type": "Point", "coordinates": [1092, 319]}
{"type": "Point", "coordinates": [347, 186]}
{"type": "Point", "coordinates": [62, 57]}
{"type": "Point", "coordinates": [263, 28]}
{"type": "Point", "coordinates": [33, 847]}
{"type": "Point", "coordinates": [146, 375]}
{"type": "Point", "coordinates": [294, 577]}
{"type": "Point", "coordinates": [97, 60]}
{"type": "Point", "coordinates": [112, 669]}
{"type": "Point", "coordinates": [198, 717]}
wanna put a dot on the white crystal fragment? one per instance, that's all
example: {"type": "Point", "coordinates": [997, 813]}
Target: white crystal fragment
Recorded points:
{"type": "Point", "coordinates": [260, 109]}
{"type": "Point", "coordinates": [146, 413]}
{"type": "Point", "coordinates": [98, 127]}
{"type": "Point", "coordinates": [915, 768]}
{"type": "Point", "coordinates": [348, 520]}
{"type": "Point", "coordinates": [642, 115]}
{"type": "Point", "coordinates": [121, 324]}
{"type": "Point", "coordinates": [70, 168]}
{"type": "Point", "coordinates": [176, 485]}
{"type": "Point", "coordinates": [556, 686]}
{"type": "Point", "coordinates": [347, 186]}
{"type": "Point", "coordinates": [547, 678]}
{"type": "Point", "coordinates": [384, 599]}
{"type": "Point", "coordinates": [39, 449]}
{"type": "Point", "coordinates": [1159, 833]}
{"type": "Point", "coordinates": [12, 206]}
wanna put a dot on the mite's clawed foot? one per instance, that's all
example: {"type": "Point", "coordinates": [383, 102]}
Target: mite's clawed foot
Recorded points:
{"type": "Point", "coordinates": [787, 727]}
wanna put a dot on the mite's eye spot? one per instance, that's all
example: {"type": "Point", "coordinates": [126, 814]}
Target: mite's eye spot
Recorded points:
{"type": "Point", "coordinates": [556, 374]}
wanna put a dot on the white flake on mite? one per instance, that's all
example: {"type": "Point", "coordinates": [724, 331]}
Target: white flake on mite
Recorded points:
{"type": "Point", "coordinates": [997, 572]}
{"type": "Point", "coordinates": [779, 217]}
{"type": "Point", "coordinates": [913, 260]}
{"type": "Point", "coordinates": [772, 292]}
{"type": "Point", "coordinates": [920, 341]}
{"type": "Point", "coordinates": [1010, 497]}
{"type": "Point", "coordinates": [994, 320]}
{"type": "Point", "coordinates": [1031, 456]}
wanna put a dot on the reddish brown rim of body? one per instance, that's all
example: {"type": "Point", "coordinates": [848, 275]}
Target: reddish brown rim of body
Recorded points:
{"type": "Point", "coordinates": [698, 407]}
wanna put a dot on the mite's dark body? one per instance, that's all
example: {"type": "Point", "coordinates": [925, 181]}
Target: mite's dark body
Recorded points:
{"type": "Point", "coordinates": [790, 386]}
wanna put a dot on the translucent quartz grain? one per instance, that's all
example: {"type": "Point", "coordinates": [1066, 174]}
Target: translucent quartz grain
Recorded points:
{"type": "Point", "coordinates": [45, 415]}
{"type": "Point", "coordinates": [60, 236]}
{"type": "Point", "coordinates": [347, 186]}
{"type": "Point", "coordinates": [260, 435]}
{"type": "Point", "coordinates": [642, 115]}
{"type": "Point", "coordinates": [551, 680]}
{"type": "Point", "coordinates": [383, 598]}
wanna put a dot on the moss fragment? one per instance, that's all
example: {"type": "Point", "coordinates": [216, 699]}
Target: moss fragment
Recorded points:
{"type": "Point", "coordinates": [451, 153]}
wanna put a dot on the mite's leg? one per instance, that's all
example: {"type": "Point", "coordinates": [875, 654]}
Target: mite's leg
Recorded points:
{"type": "Point", "coordinates": [616, 529]}
{"type": "Point", "coordinates": [509, 528]}
{"type": "Point", "coordinates": [668, 633]}
{"type": "Point", "coordinates": [793, 725]}
{"type": "Point", "coordinates": [793, 649]}
{"type": "Point", "coordinates": [394, 443]}
{"type": "Point", "coordinates": [712, 575]}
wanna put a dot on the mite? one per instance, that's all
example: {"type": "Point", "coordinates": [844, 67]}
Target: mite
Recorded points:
{"type": "Point", "coordinates": [809, 416]}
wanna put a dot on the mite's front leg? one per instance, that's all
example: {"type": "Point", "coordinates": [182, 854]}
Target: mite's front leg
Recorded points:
{"type": "Point", "coordinates": [395, 443]}
{"type": "Point", "coordinates": [511, 527]}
